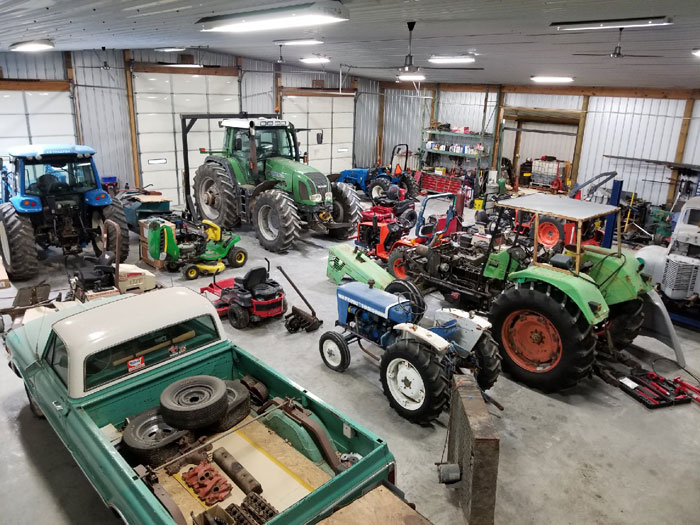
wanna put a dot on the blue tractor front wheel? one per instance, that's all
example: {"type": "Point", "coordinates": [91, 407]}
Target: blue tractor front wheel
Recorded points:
{"type": "Point", "coordinates": [17, 244]}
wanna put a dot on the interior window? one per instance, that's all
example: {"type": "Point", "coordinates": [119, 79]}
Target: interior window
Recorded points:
{"type": "Point", "coordinates": [148, 349]}
{"type": "Point", "coordinates": [56, 175]}
{"type": "Point", "coordinates": [57, 357]}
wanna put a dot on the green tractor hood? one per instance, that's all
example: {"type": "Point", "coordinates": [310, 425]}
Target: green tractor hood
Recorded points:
{"type": "Point", "coordinates": [309, 186]}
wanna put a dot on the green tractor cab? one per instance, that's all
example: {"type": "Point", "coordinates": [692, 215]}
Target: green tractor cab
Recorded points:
{"type": "Point", "coordinates": [257, 177]}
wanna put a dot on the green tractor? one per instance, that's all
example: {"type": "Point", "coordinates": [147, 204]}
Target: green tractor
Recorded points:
{"type": "Point", "coordinates": [257, 177]}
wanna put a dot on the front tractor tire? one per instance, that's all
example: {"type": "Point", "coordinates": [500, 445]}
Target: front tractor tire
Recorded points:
{"type": "Point", "coordinates": [377, 188]}
{"type": "Point", "coordinates": [114, 212]}
{"type": "Point", "coordinates": [346, 209]}
{"type": "Point", "coordinates": [545, 340]}
{"type": "Point", "coordinates": [215, 195]}
{"type": "Point", "coordinates": [626, 320]}
{"type": "Point", "coordinates": [414, 381]}
{"type": "Point", "coordinates": [276, 220]}
{"type": "Point", "coordinates": [488, 361]}
{"type": "Point", "coordinates": [409, 183]}
{"type": "Point", "coordinates": [17, 244]}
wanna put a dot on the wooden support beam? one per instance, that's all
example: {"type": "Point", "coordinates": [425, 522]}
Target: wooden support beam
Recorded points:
{"type": "Point", "coordinates": [680, 149]}
{"type": "Point", "coordinates": [315, 92]}
{"type": "Point", "coordinates": [380, 126]}
{"type": "Point", "coordinates": [436, 94]}
{"type": "Point", "coordinates": [277, 68]}
{"type": "Point", "coordinates": [70, 74]}
{"type": "Point", "coordinates": [148, 67]}
{"type": "Point", "coordinates": [516, 150]}
{"type": "Point", "coordinates": [576, 161]}
{"type": "Point", "coordinates": [547, 120]}
{"type": "Point", "coordinates": [497, 130]}
{"type": "Point", "coordinates": [34, 85]}
{"type": "Point", "coordinates": [132, 117]}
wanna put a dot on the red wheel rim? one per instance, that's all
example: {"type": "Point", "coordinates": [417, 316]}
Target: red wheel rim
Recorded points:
{"type": "Point", "coordinates": [548, 234]}
{"type": "Point", "coordinates": [399, 269]}
{"type": "Point", "coordinates": [531, 341]}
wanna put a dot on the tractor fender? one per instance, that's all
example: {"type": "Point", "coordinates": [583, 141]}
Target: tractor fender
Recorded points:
{"type": "Point", "coordinates": [470, 327]}
{"type": "Point", "coordinates": [333, 177]}
{"type": "Point", "coordinates": [433, 340]}
{"type": "Point", "coordinates": [581, 290]}
{"type": "Point", "coordinates": [26, 204]}
{"type": "Point", "coordinates": [97, 198]}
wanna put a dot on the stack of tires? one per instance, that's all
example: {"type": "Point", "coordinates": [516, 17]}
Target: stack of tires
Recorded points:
{"type": "Point", "coordinates": [199, 404]}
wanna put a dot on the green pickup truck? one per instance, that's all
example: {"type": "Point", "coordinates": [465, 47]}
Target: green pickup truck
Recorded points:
{"type": "Point", "coordinates": [92, 368]}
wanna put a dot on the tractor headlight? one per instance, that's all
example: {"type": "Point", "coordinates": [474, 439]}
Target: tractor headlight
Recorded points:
{"type": "Point", "coordinates": [316, 197]}
{"type": "Point", "coordinates": [329, 195]}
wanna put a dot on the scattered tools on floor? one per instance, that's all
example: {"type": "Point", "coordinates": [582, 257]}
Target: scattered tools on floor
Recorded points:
{"type": "Point", "coordinates": [237, 472]}
{"type": "Point", "coordinates": [210, 486]}
{"type": "Point", "coordinates": [693, 392]}
{"type": "Point", "coordinates": [651, 389]}
{"type": "Point", "coordinates": [298, 319]}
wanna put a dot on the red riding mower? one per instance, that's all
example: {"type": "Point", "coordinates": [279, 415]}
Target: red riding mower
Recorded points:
{"type": "Point", "coordinates": [249, 299]}
{"type": "Point", "coordinates": [392, 204]}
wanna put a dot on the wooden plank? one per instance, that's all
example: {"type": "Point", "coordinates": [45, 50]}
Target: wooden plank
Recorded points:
{"type": "Point", "coordinates": [546, 120]}
{"type": "Point", "coordinates": [316, 92]}
{"type": "Point", "coordinates": [379, 506]}
{"type": "Point", "coordinates": [380, 125]}
{"type": "Point", "coordinates": [436, 91]}
{"type": "Point", "coordinates": [497, 131]}
{"type": "Point", "coordinates": [148, 67]}
{"type": "Point", "coordinates": [132, 116]}
{"type": "Point", "coordinates": [70, 74]}
{"type": "Point", "coordinates": [34, 85]}
{"type": "Point", "coordinates": [680, 149]}
{"type": "Point", "coordinates": [516, 154]}
{"type": "Point", "coordinates": [579, 139]}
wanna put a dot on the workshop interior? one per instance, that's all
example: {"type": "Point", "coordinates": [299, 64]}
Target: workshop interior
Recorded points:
{"type": "Point", "coordinates": [350, 261]}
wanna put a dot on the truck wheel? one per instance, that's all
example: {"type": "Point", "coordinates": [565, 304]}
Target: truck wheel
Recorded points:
{"type": "Point", "coordinates": [334, 351]}
{"type": "Point", "coordinates": [194, 402]}
{"type": "Point", "coordinates": [276, 220]}
{"type": "Point", "coordinates": [238, 406]}
{"type": "Point", "coordinates": [215, 195]}
{"type": "Point", "coordinates": [626, 320]}
{"type": "Point", "coordinates": [545, 340]}
{"type": "Point", "coordinates": [488, 360]}
{"type": "Point", "coordinates": [396, 263]}
{"type": "Point", "coordinates": [238, 316]}
{"type": "Point", "coordinates": [33, 405]}
{"type": "Point", "coordinates": [377, 188]}
{"type": "Point", "coordinates": [346, 208]}
{"type": "Point", "coordinates": [237, 257]}
{"type": "Point", "coordinates": [414, 381]}
{"type": "Point", "coordinates": [17, 244]}
{"type": "Point", "coordinates": [408, 182]}
{"type": "Point", "coordinates": [149, 439]}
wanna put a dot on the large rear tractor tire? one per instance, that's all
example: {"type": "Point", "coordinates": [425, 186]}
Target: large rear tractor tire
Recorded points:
{"type": "Point", "coordinates": [115, 212]}
{"type": "Point", "coordinates": [409, 183]}
{"type": "Point", "coordinates": [545, 340]}
{"type": "Point", "coordinates": [17, 244]}
{"type": "Point", "coordinates": [377, 188]}
{"type": "Point", "coordinates": [488, 360]}
{"type": "Point", "coordinates": [414, 381]}
{"type": "Point", "coordinates": [276, 220]}
{"type": "Point", "coordinates": [626, 320]}
{"type": "Point", "coordinates": [346, 209]}
{"type": "Point", "coordinates": [215, 195]}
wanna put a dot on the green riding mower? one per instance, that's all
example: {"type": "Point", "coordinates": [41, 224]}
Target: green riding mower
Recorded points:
{"type": "Point", "coordinates": [552, 311]}
{"type": "Point", "coordinates": [193, 249]}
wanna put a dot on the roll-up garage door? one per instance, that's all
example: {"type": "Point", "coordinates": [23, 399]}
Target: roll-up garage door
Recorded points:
{"type": "Point", "coordinates": [35, 117]}
{"type": "Point", "coordinates": [160, 98]}
{"type": "Point", "coordinates": [332, 114]}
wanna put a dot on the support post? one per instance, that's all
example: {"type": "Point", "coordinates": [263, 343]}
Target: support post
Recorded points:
{"type": "Point", "coordinates": [278, 88]}
{"type": "Point", "coordinates": [579, 140]}
{"type": "Point", "coordinates": [610, 222]}
{"type": "Point", "coordinates": [70, 74]}
{"type": "Point", "coordinates": [132, 116]}
{"type": "Point", "coordinates": [497, 130]}
{"type": "Point", "coordinates": [380, 125]}
{"type": "Point", "coordinates": [436, 94]}
{"type": "Point", "coordinates": [680, 149]}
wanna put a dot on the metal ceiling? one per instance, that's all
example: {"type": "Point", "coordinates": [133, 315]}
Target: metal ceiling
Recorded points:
{"type": "Point", "coordinates": [512, 37]}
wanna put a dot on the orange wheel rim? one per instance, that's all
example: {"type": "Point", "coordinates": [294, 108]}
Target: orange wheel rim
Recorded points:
{"type": "Point", "coordinates": [548, 235]}
{"type": "Point", "coordinates": [399, 269]}
{"type": "Point", "coordinates": [531, 341]}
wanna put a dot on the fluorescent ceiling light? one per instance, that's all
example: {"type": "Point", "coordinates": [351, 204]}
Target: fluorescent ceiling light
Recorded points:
{"type": "Point", "coordinates": [615, 23]}
{"type": "Point", "coordinates": [552, 80]}
{"type": "Point", "coordinates": [453, 59]}
{"type": "Point", "coordinates": [300, 42]}
{"type": "Point", "coordinates": [32, 46]}
{"type": "Point", "coordinates": [696, 52]}
{"type": "Point", "coordinates": [169, 49]}
{"type": "Point", "coordinates": [412, 76]}
{"type": "Point", "coordinates": [314, 60]}
{"type": "Point", "coordinates": [179, 65]}
{"type": "Point", "coordinates": [304, 15]}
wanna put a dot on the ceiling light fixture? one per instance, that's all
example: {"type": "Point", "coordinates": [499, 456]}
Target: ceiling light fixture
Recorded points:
{"type": "Point", "coordinates": [310, 14]}
{"type": "Point", "coordinates": [415, 77]}
{"type": "Point", "coordinates": [315, 60]}
{"type": "Point", "coordinates": [300, 42]}
{"type": "Point", "coordinates": [615, 23]}
{"type": "Point", "coordinates": [696, 52]}
{"type": "Point", "coordinates": [170, 49]}
{"type": "Point", "coordinates": [551, 80]}
{"type": "Point", "coordinates": [452, 59]}
{"type": "Point", "coordinates": [32, 46]}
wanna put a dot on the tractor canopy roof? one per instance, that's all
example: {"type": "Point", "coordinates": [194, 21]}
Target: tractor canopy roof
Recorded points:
{"type": "Point", "coordinates": [560, 207]}
{"type": "Point", "coordinates": [35, 150]}
{"type": "Point", "coordinates": [259, 122]}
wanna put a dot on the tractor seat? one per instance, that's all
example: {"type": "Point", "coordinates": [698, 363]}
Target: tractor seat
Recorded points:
{"type": "Point", "coordinates": [266, 291]}
{"type": "Point", "coordinates": [401, 206]}
{"type": "Point", "coordinates": [101, 273]}
{"type": "Point", "coordinates": [253, 278]}
{"type": "Point", "coordinates": [256, 283]}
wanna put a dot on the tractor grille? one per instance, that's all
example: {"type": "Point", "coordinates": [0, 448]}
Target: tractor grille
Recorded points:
{"type": "Point", "coordinates": [319, 180]}
{"type": "Point", "coordinates": [335, 262]}
{"type": "Point", "coordinates": [680, 277]}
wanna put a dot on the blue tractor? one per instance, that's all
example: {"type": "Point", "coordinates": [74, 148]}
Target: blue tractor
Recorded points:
{"type": "Point", "coordinates": [51, 195]}
{"type": "Point", "coordinates": [417, 363]}
{"type": "Point", "coordinates": [376, 181]}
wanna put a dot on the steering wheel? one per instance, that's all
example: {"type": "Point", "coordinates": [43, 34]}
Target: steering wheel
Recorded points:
{"type": "Point", "coordinates": [58, 187]}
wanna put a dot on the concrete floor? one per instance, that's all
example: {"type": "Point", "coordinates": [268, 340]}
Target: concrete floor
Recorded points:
{"type": "Point", "coordinates": [592, 455]}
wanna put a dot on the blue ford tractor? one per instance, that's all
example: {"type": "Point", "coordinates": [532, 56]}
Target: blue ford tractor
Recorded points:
{"type": "Point", "coordinates": [417, 363]}
{"type": "Point", "coordinates": [51, 195]}
{"type": "Point", "coordinates": [376, 181]}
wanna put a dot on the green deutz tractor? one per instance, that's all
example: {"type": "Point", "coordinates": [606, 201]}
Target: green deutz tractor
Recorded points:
{"type": "Point", "coordinates": [258, 177]}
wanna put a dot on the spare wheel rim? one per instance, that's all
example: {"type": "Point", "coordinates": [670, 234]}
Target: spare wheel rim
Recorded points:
{"type": "Point", "coordinates": [531, 341]}
{"type": "Point", "coordinates": [193, 395]}
{"type": "Point", "coordinates": [268, 222]}
{"type": "Point", "coordinates": [548, 234]}
{"type": "Point", "coordinates": [209, 199]}
{"type": "Point", "coordinates": [399, 268]}
{"type": "Point", "coordinates": [154, 430]}
{"type": "Point", "coordinates": [5, 245]}
{"type": "Point", "coordinates": [405, 384]}
{"type": "Point", "coordinates": [331, 352]}
{"type": "Point", "coordinates": [377, 192]}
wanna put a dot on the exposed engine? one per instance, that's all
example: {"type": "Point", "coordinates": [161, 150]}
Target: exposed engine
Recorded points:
{"type": "Point", "coordinates": [367, 324]}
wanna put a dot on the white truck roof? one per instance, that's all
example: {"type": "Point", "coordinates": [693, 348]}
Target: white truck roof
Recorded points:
{"type": "Point", "coordinates": [259, 122]}
{"type": "Point", "coordinates": [117, 321]}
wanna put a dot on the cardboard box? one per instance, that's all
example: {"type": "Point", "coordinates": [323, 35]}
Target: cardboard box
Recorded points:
{"type": "Point", "coordinates": [4, 279]}
{"type": "Point", "coordinates": [145, 257]}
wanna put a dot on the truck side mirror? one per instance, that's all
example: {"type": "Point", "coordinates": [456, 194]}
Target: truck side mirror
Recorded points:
{"type": "Point", "coordinates": [319, 138]}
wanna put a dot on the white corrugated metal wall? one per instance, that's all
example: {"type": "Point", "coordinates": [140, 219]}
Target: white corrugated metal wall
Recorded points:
{"type": "Point", "coordinates": [406, 114]}
{"type": "Point", "coordinates": [527, 100]}
{"type": "Point", "coordinates": [691, 155]}
{"type": "Point", "coordinates": [632, 127]}
{"type": "Point", "coordinates": [257, 86]}
{"type": "Point", "coordinates": [467, 109]}
{"type": "Point", "coordinates": [366, 123]}
{"type": "Point", "coordinates": [43, 66]}
{"type": "Point", "coordinates": [535, 145]}
{"type": "Point", "coordinates": [103, 111]}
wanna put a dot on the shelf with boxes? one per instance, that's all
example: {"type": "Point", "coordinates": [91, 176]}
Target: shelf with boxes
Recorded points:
{"type": "Point", "coordinates": [474, 146]}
